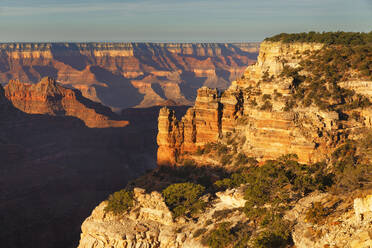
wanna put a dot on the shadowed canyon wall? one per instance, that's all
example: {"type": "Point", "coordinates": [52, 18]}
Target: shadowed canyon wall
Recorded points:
{"type": "Point", "coordinates": [122, 75]}
{"type": "Point", "coordinates": [54, 169]}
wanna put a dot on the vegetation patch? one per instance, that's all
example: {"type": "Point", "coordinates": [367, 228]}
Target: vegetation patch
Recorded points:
{"type": "Point", "coordinates": [226, 236]}
{"type": "Point", "coordinates": [329, 38]}
{"type": "Point", "coordinates": [199, 232]}
{"type": "Point", "coordinates": [119, 202]}
{"type": "Point", "coordinates": [184, 198]}
{"type": "Point", "coordinates": [316, 213]}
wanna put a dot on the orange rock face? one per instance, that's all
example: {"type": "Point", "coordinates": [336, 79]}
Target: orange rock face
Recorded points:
{"type": "Point", "coordinates": [48, 97]}
{"type": "Point", "coordinates": [240, 113]}
{"type": "Point", "coordinates": [122, 75]}
{"type": "Point", "coordinates": [267, 134]}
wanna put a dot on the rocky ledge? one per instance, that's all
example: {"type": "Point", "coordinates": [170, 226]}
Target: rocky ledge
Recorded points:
{"type": "Point", "coordinates": [149, 223]}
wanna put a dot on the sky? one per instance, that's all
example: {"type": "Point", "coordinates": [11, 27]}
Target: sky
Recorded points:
{"type": "Point", "coordinates": [176, 20]}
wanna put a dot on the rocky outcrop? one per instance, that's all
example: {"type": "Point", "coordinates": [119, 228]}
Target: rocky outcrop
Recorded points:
{"type": "Point", "coordinates": [363, 208]}
{"type": "Point", "coordinates": [48, 97]}
{"type": "Point", "coordinates": [347, 230]}
{"type": "Point", "coordinates": [256, 107]}
{"type": "Point", "coordinates": [149, 223]}
{"type": "Point", "coordinates": [122, 75]}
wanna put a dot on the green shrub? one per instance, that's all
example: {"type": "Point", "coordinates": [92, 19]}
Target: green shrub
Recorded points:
{"type": "Point", "coordinates": [226, 159]}
{"type": "Point", "coordinates": [222, 214]}
{"type": "Point", "coordinates": [253, 212]}
{"type": "Point", "coordinates": [270, 239]}
{"type": "Point", "coordinates": [199, 232]}
{"type": "Point", "coordinates": [183, 198]}
{"type": "Point", "coordinates": [277, 234]}
{"type": "Point", "coordinates": [224, 184]}
{"type": "Point", "coordinates": [242, 159]}
{"type": "Point", "coordinates": [316, 213]}
{"type": "Point", "coordinates": [119, 202]}
{"type": "Point", "coordinates": [221, 237]}
{"type": "Point", "coordinates": [340, 38]}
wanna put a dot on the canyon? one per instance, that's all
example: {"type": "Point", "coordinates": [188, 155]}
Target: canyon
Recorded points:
{"type": "Point", "coordinates": [258, 143]}
{"type": "Point", "coordinates": [63, 148]}
{"type": "Point", "coordinates": [123, 75]}
{"type": "Point", "coordinates": [252, 121]}
{"type": "Point", "coordinates": [60, 155]}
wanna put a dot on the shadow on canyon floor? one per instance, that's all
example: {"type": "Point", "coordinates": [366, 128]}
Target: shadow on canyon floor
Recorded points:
{"type": "Point", "coordinates": [55, 170]}
{"type": "Point", "coordinates": [118, 88]}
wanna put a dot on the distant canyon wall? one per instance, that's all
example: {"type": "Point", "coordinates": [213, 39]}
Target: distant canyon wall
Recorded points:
{"type": "Point", "coordinates": [122, 75]}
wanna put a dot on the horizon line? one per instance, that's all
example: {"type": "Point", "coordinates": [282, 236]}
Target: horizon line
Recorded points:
{"type": "Point", "coordinates": [135, 41]}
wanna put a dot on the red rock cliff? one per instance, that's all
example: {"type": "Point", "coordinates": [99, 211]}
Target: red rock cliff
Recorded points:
{"type": "Point", "coordinates": [47, 97]}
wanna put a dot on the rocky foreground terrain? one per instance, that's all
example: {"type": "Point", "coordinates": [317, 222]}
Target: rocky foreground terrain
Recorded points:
{"type": "Point", "coordinates": [282, 158]}
{"type": "Point", "coordinates": [122, 75]}
{"type": "Point", "coordinates": [150, 224]}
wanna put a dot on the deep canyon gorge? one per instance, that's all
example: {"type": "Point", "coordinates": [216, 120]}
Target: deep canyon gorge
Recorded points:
{"type": "Point", "coordinates": [63, 149]}
{"type": "Point", "coordinates": [150, 145]}
{"type": "Point", "coordinates": [122, 75]}
{"type": "Point", "coordinates": [282, 158]}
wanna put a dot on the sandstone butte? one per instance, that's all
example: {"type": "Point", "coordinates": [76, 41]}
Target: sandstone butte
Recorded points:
{"type": "Point", "coordinates": [309, 132]}
{"type": "Point", "coordinates": [48, 97]}
{"type": "Point", "coordinates": [122, 75]}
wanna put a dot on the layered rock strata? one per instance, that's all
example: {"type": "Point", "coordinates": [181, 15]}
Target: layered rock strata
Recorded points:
{"type": "Point", "coordinates": [254, 107]}
{"type": "Point", "coordinates": [348, 230]}
{"type": "Point", "coordinates": [48, 97]}
{"type": "Point", "coordinates": [150, 223]}
{"type": "Point", "coordinates": [122, 75]}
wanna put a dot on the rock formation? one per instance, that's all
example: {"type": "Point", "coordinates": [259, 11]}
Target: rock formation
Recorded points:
{"type": "Point", "coordinates": [48, 97]}
{"type": "Point", "coordinates": [150, 224]}
{"type": "Point", "coordinates": [122, 75]}
{"type": "Point", "coordinates": [347, 230]}
{"type": "Point", "coordinates": [254, 107]}
{"type": "Point", "coordinates": [257, 117]}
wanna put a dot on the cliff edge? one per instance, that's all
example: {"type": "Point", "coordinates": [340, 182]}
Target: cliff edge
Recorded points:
{"type": "Point", "coordinates": [48, 97]}
{"type": "Point", "coordinates": [264, 109]}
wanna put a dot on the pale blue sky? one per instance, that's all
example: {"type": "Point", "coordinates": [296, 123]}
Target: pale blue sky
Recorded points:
{"type": "Point", "coordinates": [176, 20]}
